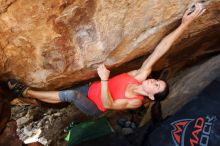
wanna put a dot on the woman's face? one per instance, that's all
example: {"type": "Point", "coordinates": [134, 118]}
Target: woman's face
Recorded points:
{"type": "Point", "coordinates": [153, 86]}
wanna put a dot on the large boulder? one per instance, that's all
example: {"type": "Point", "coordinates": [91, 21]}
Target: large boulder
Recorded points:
{"type": "Point", "coordinates": [55, 43]}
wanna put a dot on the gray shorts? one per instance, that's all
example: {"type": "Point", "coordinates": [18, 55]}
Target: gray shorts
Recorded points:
{"type": "Point", "coordinates": [79, 97]}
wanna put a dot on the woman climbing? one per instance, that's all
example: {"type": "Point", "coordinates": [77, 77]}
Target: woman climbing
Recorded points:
{"type": "Point", "coordinates": [124, 91]}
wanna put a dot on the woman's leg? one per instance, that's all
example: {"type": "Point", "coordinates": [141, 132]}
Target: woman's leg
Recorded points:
{"type": "Point", "coordinates": [56, 96]}
{"type": "Point", "coordinates": [20, 89]}
{"type": "Point", "coordinates": [52, 96]}
{"type": "Point", "coordinates": [72, 96]}
{"type": "Point", "coordinates": [46, 96]}
{"type": "Point", "coordinates": [82, 102]}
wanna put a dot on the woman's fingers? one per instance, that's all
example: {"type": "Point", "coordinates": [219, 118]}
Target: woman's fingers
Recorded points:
{"type": "Point", "coordinates": [193, 13]}
{"type": "Point", "coordinates": [203, 11]}
{"type": "Point", "coordinates": [199, 10]}
{"type": "Point", "coordinates": [101, 67]}
{"type": "Point", "coordinates": [187, 12]}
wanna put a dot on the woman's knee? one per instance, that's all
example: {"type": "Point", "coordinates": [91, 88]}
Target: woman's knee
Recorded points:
{"type": "Point", "coordinates": [67, 95]}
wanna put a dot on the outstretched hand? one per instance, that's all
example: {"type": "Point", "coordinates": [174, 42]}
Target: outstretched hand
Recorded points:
{"type": "Point", "coordinates": [103, 72]}
{"type": "Point", "coordinates": [193, 13]}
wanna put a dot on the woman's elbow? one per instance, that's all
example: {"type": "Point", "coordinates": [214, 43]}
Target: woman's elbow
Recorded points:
{"type": "Point", "coordinates": [107, 105]}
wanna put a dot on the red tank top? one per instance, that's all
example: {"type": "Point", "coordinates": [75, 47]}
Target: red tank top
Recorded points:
{"type": "Point", "coordinates": [117, 86]}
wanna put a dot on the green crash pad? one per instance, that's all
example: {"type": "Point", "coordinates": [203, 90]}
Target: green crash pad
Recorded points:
{"type": "Point", "coordinates": [88, 130]}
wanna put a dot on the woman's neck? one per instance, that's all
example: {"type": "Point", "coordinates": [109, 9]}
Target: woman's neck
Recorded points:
{"type": "Point", "coordinates": [138, 89]}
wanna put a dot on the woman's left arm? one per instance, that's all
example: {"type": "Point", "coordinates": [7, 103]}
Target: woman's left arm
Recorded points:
{"type": "Point", "coordinates": [167, 42]}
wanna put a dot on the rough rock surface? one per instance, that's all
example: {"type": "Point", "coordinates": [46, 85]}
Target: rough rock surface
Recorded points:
{"type": "Point", "coordinates": [52, 44]}
{"type": "Point", "coordinates": [46, 125]}
{"type": "Point", "coordinates": [8, 136]}
{"type": "Point", "coordinates": [43, 125]}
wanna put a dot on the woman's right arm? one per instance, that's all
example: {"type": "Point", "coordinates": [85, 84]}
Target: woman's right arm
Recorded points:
{"type": "Point", "coordinates": [106, 97]}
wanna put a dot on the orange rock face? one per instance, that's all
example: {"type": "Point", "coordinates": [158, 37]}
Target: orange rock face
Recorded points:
{"type": "Point", "coordinates": [55, 43]}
